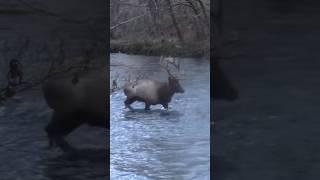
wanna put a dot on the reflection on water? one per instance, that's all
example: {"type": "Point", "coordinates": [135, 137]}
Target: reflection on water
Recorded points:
{"type": "Point", "coordinates": [159, 144]}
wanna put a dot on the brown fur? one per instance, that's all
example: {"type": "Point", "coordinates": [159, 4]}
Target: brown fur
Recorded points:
{"type": "Point", "coordinates": [151, 92]}
{"type": "Point", "coordinates": [75, 103]}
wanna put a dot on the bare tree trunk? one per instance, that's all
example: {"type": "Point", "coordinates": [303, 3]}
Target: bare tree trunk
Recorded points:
{"type": "Point", "coordinates": [206, 19]}
{"type": "Point", "coordinates": [217, 28]}
{"type": "Point", "coordinates": [200, 32]}
{"type": "Point", "coordinates": [154, 12]}
{"type": "Point", "coordinates": [174, 21]}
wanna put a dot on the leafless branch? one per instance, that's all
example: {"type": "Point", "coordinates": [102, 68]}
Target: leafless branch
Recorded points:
{"type": "Point", "coordinates": [127, 21]}
{"type": "Point", "coordinates": [165, 63]}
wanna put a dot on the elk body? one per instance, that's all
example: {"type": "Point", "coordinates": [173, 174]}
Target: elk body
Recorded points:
{"type": "Point", "coordinates": [152, 92]}
{"type": "Point", "coordinates": [75, 101]}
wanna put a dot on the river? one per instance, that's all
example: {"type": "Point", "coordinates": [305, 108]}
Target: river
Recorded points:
{"type": "Point", "coordinates": [159, 144]}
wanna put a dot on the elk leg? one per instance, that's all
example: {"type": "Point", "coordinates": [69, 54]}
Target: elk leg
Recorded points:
{"type": "Point", "coordinates": [129, 101]}
{"type": "Point", "coordinates": [147, 107]}
{"type": "Point", "coordinates": [60, 126]}
{"type": "Point", "coordinates": [166, 106]}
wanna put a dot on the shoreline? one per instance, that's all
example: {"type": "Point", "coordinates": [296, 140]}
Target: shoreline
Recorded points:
{"type": "Point", "coordinates": [157, 48]}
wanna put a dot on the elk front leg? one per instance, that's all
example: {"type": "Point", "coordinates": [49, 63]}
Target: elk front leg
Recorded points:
{"type": "Point", "coordinates": [59, 127]}
{"type": "Point", "coordinates": [166, 106]}
{"type": "Point", "coordinates": [147, 107]}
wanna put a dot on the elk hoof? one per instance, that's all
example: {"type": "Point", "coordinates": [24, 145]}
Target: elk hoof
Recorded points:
{"type": "Point", "coordinates": [129, 107]}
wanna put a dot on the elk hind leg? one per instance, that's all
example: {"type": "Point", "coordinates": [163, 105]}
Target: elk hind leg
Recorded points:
{"type": "Point", "coordinates": [147, 107]}
{"type": "Point", "coordinates": [59, 127]}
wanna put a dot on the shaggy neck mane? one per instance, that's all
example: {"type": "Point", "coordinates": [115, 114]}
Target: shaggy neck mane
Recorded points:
{"type": "Point", "coordinates": [166, 92]}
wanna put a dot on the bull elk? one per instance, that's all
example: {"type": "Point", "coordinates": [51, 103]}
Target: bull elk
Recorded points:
{"type": "Point", "coordinates": [153, 92]}
{"type": "Point", "coordinates": [76, 100]}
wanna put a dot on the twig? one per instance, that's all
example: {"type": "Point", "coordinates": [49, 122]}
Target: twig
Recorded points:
{"type": "Point", "coordinates": [127, 21]}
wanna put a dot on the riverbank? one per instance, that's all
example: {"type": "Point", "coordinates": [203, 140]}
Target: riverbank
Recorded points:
{"type": "Point", "coordinates": [35, 73]}
{"type": "Point", "coordinates": [158, 48]}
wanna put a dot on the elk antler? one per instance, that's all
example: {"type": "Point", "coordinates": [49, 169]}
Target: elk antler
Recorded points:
{"type": "Point", "coordinates": [166, 61]}
{"type": "Point", "coordinates": [173, 61]}
{"type": "Point", "coordinates": [165, 65]}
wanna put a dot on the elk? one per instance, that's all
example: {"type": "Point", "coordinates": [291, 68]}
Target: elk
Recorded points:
{"type": "Point", "coordinates": [153, 92]}
{"type": "Point", "coordinates": [75, 101]}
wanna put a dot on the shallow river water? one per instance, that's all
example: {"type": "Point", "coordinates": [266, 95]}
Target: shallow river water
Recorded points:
{"type": "Point", "coordinates": [24, 152]}
{"type": "Point", "coordinates": [159, 144]}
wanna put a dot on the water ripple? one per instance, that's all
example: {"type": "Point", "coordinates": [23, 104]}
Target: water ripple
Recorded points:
{"type": "Point", "coordinates": [159, 144]}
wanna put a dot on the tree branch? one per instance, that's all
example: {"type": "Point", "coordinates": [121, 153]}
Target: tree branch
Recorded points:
{"type": "Point", "coordinates": [127, 21]}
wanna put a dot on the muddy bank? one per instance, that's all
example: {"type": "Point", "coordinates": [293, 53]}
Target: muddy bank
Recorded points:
{"type": "Point", "coordinates": [158, 48]}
